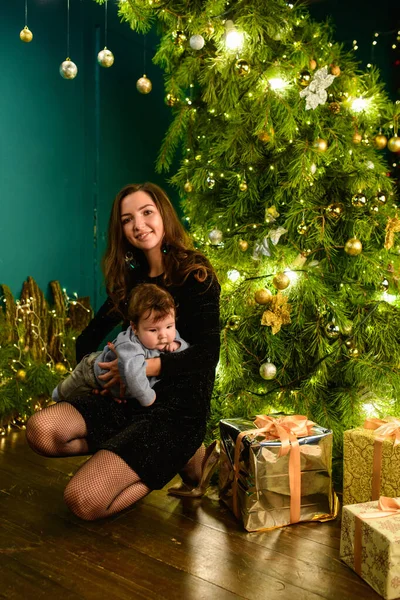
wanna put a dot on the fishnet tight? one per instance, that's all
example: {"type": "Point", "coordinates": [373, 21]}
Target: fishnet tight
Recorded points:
{"type": "Point", "coordinates": [105, 484]}
{"type": "Point", "coordinates": [192, 471]}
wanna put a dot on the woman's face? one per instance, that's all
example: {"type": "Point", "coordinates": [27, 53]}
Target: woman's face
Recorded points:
{"type": "Point", "coordinates": [141, 222]}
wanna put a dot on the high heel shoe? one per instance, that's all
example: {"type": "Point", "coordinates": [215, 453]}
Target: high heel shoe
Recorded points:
{"type": "Point", "coordinates": [210, 463]}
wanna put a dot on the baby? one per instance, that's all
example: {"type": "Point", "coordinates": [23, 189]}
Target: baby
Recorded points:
{"type": "Point", "coordinates": [151, 311]}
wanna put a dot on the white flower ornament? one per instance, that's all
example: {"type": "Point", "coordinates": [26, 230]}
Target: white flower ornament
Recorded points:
{"type": "Point", "coordinates": [315, 93]}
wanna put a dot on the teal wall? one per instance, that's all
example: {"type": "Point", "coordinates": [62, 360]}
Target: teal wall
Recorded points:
{"type": "Point", "coordinates": [67, 147]}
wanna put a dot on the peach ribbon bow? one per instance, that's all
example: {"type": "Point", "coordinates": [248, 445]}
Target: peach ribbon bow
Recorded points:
{"type": "Point", "coordinates": [387, 507]}
{"type": "Point", "coordinates": [287, 430]}
{"type": "Point", "coordinates": [384, 430]}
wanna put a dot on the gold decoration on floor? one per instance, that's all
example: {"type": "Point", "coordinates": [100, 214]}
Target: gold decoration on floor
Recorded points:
{"type": "Point", "coordinates": [278, 313]}
{"type": "Point", "coordinates": [392, 227]}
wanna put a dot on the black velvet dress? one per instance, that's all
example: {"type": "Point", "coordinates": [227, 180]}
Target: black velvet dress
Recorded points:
{"type": "Point", "coordinates": [157, 441]}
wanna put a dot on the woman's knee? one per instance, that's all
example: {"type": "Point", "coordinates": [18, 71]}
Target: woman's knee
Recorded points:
{"type": "Point", "coordinates": [83, 503]}
{"type": "Point", "coordinates": [36, 432]}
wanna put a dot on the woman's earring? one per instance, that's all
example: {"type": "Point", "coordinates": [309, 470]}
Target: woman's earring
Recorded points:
{"type": "Point", "coordinates": [165, 248]}
{"type": "Point", "coordinates": [130, 260]}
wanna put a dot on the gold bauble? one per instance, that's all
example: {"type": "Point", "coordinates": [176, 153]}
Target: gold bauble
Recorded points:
{"type": "Point", "coordinates": [353, 352]}
{"type": "Point", "coordinates": [380, 141]}
{"type": "Point", "coordinates": [188, 187]}
{"type": "Point", "coordinates": [233, 323]}
{"type": "Point", "coordinates": [359, 200]}
{"type": "Point", "coordinates": [281, 281]}
{"type": "Point", "coordinates": [60, 368]}
{"type": "Point", "coordinates": [335, 70]}
{"type": "Point", "coordinates": [353, 247]}
{"type": "Point", "coordinates": [144, 85]}
{"type": "Point", "coordinates": [179, 37]}
{"type": "Point", "coordinates": [171, 100]}
{"type": "Point", "coordinates": [334, 107]}
{"type": "Point", "coordinates": [209, 28]}
{"type": "Point", "coordinates": [21, 374]}
{"type": "Point", "coordinates": [381, 198]}
{"type": "Point", "coordinates": [105, 58]}
{"type": "Point", "coordinates": [265, 136]}
{"type": "Point", "coordinates": [26, 35]}
{"type": "Point", "coordinates": [268, 371]}
{"type": "Point", "coordinates": [335, 210]}
{"type": "Point", "coordinates": [242, 67]}
{"type": "Point", "coordinates": [332, 330]}
{"type": "Point", "coordinates": [243, 245]}
{"type": "Point", "coordinates": [373, 208]}
{"type": "Point", "coordinates": [242, 186]}
{"type": "Point", "coordinates": [321, 145]}
{"type": "Point", "coordinates": [68, 69]}
{"type": "Point", "coordinates": [384, 285]}
{"type": "Point", "coordinates": [302, 228]}
{"type": "Point", "coordinates": [394, 144]}
{"type": "Point", "coordinates": [357, 138]}
{"type": "Point", "coordinates": [304, 78]}
{"type": "Point", "coordinates": [262, 296]}
{"type": "Point", "coordinates": [313, 64]}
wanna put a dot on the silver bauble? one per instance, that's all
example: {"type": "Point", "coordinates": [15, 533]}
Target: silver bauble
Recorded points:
{"type": "Point", "coordinates": [196, 42]}
{"type": "Point", "coordinates": [144, 85]}
{"type": "Point", "coordinates": [215, 236]}
{"type": "Point", "coordinates": [268, 371]}
{"type": "Point", "coordinates": [105, 58]}
{"type": "Point", "coordinates": [68, 69]}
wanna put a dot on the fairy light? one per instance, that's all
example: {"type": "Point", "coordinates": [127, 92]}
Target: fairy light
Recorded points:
{"type": "Point", "coordinates": [233, 38]}
{"type": "Point", "coordinates": [233, 275]}
{"type": "Point", "coordinates": [277, 83]}
{"type": "Point", "coordinates": [359, 104]}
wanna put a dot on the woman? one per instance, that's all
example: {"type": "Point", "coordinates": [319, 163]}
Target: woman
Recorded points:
{"type": "Point", "coordinates": [136, 449]}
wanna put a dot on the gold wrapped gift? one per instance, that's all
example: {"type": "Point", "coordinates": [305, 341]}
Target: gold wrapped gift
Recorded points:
{"type": "Point", "coordinates": [370, 543]}
{"type": "Point", "coordinates": [371, 461]}
{"type": "Point", "coordinates": [278, 473]}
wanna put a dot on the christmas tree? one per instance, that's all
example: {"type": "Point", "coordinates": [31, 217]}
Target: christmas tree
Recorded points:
{"type": "Point", "coordinates": [284, 184]}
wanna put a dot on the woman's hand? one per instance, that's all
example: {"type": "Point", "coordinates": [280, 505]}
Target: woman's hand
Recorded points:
{"type": "Point", "coordinates": [153, 367]}
{"type": "Point", "coordinates": [113, 376]}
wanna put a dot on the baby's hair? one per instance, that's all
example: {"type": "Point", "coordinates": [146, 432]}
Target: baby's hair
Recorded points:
{"type": "Point", "coordinates": [147, 298]}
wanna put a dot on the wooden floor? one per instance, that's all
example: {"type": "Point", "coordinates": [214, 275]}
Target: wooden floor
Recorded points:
{"type": "Point", "coordinates": [161, 548]}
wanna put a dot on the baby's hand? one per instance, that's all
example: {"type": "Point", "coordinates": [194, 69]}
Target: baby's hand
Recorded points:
{"type": "Point", "coordinates": [172, 346]}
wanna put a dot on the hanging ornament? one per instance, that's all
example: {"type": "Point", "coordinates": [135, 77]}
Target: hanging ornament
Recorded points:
{"type": "Point", "coordinates": [313, 64]}
{"type": "Point", "coordinates": [304, 78]}
{"type": "Point", "coordinates": [68, 69]}
{"type": "Point", "coordinates": [242, 67]}
{"type": "Point", "coordinates": [209, 29]}
{"type": "Point", "coordinates": [275, 234]}
{"type": "Point", "coordinates": [353, 351]}
{"type": "Point", "coordinates": [210, 182]}
{"type": "Point", "coordinates": [373, 208]}
{"type": "Point", "coordinates": [233, 323]}
{"type": "Point", "coordinates": [261, 248]}
{"type": "Point", "coordinates": [196, 42]}
{"type": "Point", "coordinates": [316, 94]}
{"type": "Point", "coordinates": [380, 198]}
{"type": "Point", "coordinates": [281, 281]}
{"type": "Point", "coordinates": [277, 314]}
{"type": "Point", "coordinates": [392, 227]}
{"type": "Point", "coordinates": [394, 144]}
{"type": "Point", "coordinates": [144, 85]}
{"type": "Point", "coordinates": [359, 200]}
{"type": "Point", "coordinates": [243, 245]}
{"type": "Point", "coordinates": [380, 141]}
{"type": "Point", "coordinates": [271, 214]}
{"type": "Point", "coordinates": [353, 247]}
{"type": "Point", "coordinates": [384, 285]}
{"type": "Point", "coordinates": [21, 375]}
{"type": "Point", "coordinates": [215, 236]}
{"type": "Point", "coordinates": [268, 371]}
{"type": "Point", "coordinates": [243, 186]}
{"type": "Point", "coordinates": [60, 368]}
{"type": "Point", "coordinates": [332, 330]}
{"type": "Point", "coordinates": [321, 145]}
{"type": "Point", "coordinates": [302, 228]}
{"type": "Point", "coordinates": [26, 35]}
{"type": "Point", "coordinates": [335, 70]}
{"type": "Point", "coordinates": [188, 187]}
{"type": "Point", "coordinates": [335, 210]}
{"type": "Point", "coordinates": [313, 168]}
{"type": "Point", "coordinates": [334, 107]}
{"type": "Point", "coordinates": [265, 136]}
{"type": "Point", "coordinates": [262, 296]}
{"type": "Point", "coordinates": [171, 100]}
{"type": "Point", "coordinates": [178, 37]}
{"type": "Point", "coordinates": [105, 58]}
{"type": "Point", "coordinates": [357, 138]}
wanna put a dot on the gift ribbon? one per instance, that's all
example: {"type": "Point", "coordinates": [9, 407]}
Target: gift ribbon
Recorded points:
{"type": "Point", "coordinates": [387, 507]}
{"type": "Point", "coordinates": [287, 430]}
{"type": "Point", "coordinates": [384, 430]}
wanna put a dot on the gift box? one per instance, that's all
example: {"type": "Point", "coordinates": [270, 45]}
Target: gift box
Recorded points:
{"type": "Point", "coordinates": [370, 543]}
{"type": "Point", "coordinates": [276, 473]}
{"type": "Point", "coordinates": [371, 457]}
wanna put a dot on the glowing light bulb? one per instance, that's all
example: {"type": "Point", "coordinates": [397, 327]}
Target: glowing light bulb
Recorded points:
{"type": "Point", "coordinates": [293, 276]}
{"type": "Point", "coordinates": [277, 83]}
{"type": "Point", "coordinates": [233, 38]}
{"type": "Point", "coordinates": [359, 104]}
{"type": "Point", "coordinates": [233, 275]}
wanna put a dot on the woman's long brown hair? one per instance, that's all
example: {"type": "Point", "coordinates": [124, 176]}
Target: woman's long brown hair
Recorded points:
{"type": "Point", "coordinates": [179, 261]}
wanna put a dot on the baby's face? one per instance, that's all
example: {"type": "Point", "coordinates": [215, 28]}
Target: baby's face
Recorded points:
{"type": "Point", "coordinates": [154, 333]}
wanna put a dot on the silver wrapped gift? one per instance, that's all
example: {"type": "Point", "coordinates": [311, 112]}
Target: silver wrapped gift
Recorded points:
{"type": "Point", "coordinates": [261, 494]}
